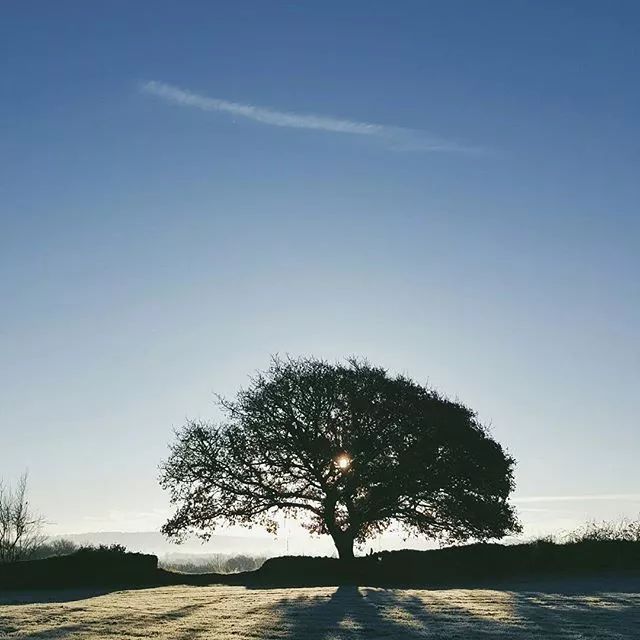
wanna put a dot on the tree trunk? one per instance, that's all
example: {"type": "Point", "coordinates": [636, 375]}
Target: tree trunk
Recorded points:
{"type": "Point", "coordinates": [344, 545]}
{"type": "Point", "coordinates": [342, 539]}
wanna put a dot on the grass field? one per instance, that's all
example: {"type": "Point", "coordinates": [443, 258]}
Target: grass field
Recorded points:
{"type": "Point", "coordinates": [561, 610]}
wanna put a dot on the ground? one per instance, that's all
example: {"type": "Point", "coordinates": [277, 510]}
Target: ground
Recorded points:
{"type": "Point", "coordinates": [560, 610]}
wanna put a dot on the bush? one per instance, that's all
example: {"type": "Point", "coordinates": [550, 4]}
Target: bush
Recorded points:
{"type": "Point", "coordinates": [102, 550]}
{"type": "Point", "coordinates": [88, 566]}
{"type": "Point", "coordinates": [476, 563]}
{"type": "Point", "coordinates": [52, 549]}
{"type": "Point", "coordinates": [623, 530]}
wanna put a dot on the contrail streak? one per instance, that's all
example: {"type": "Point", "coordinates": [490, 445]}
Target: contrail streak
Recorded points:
{"type": "Point", "coordinates": [399, 137]}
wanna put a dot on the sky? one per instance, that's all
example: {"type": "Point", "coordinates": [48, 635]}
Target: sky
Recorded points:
{"type": "Point", "coordinates": [448, 189]}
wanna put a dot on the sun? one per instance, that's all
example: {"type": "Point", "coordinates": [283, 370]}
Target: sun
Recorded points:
{"type": "Point", "coordinates": [343, 462]}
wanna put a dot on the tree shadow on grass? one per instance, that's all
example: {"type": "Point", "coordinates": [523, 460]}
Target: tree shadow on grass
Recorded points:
{"type": "Point", "coordinates": [577, 612]}
{"type": "Point", "coordinates": [577, 616]}
{"type": "Point", "coordinates": [585, 584]}
{"type": "Point", "coordinates": [350, 613]}
{"type": "Point", "coordinates": [346, 613]}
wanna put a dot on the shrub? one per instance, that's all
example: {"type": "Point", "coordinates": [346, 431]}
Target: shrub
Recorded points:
{"type": "Point", "coordinates": [102, 550]}
{"type": "Point", "coordinates": [53, 548]}
{"type": "Point", "coordinates": [625, 530]}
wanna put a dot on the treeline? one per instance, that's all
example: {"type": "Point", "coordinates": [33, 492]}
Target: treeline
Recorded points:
{"type": "Point", "coordinates": [59, 547]}
{"type": "Point", "coordinates": [209, 563]}
{"type": "Point", "coordinates": [213, 563]}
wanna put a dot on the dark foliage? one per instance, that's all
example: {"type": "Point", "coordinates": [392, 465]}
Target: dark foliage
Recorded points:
{"type": "Point", "coordinates": [106, 551]}
{"type": "Point", "coordinates": [456, 566]}
{"type": "Point", "coordinates": [52, 548]}
{"type": "Point", "coordinates": [349, 450]}
{"type": "Point", "coordinates": [88, 566]}
{"type": "Point", "coordinates": [476, 564]}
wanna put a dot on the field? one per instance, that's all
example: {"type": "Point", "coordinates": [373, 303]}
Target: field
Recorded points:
{"type": "Point", "coordinates": [561, 610]}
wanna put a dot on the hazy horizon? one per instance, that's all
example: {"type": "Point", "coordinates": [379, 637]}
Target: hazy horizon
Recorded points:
{"type": "Point", "coordinates": [557, 515]}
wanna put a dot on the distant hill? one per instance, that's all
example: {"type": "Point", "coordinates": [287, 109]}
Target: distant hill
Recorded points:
{"type": "Point", "coordinates": [154, 542]}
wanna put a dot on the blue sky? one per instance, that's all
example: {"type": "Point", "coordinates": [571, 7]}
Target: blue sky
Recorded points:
{"type": "Point", "coordinates": [158, 246]}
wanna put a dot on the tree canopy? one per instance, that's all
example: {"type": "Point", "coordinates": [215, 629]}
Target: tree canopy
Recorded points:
{"type": "Point", "coordinates": [347, 449]}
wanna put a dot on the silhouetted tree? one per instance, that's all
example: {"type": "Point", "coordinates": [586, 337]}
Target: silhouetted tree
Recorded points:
{"type": "Point", "coordinates": [347, 449]}
{"type": "Point", "coordinates": [20, 528]}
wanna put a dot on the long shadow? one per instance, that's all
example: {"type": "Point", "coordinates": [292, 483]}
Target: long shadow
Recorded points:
{"type": "Point", "coordinates": [45, 596]}
{"type": "Point", "coordinates": [350, 612]}
{"type": "Point", "coordinates": [584, 615]}
{"type": "Point", "coordinates": [585, 584]}
{"type": "Point", "coordinates": [580, 610]}
{"type": "Point", "coordinates": [107, 626]}
{"type": "Point", "coordinates": [345, 613]}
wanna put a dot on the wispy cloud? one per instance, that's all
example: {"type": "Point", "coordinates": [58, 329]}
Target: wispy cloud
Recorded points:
{"type": "Point", "coordinates": [398, 137]}
{"type": "Point", "coordinates": [614, 497]}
